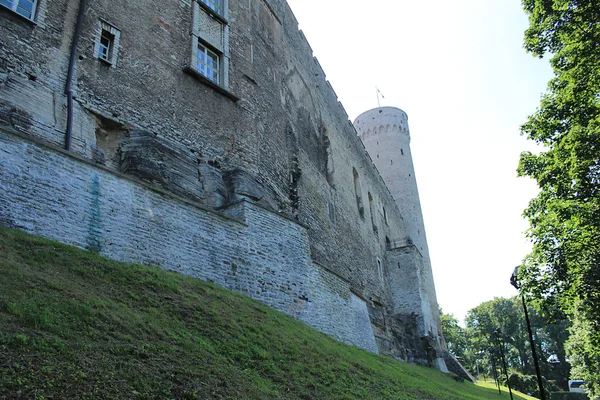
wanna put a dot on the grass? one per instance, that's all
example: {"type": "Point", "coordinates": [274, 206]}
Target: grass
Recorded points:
{"type": "Point", "coordinates": [74, 325]}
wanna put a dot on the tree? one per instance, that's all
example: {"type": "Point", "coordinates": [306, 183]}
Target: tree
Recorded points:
{"type": "Point", "coordinates": [454, 334]}
{"type": "Point", "coordinates": [563, 270]}
{"type": "Point", "coordinates": [506, 314]}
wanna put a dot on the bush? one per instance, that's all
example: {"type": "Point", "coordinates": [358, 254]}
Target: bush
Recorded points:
{"type": "Point", "coordinates": [528, 384]}
{"type": "Point", "coordinates": [568, 396]}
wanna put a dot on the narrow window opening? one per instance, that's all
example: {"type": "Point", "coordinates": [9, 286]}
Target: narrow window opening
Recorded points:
{"type": "Point", "coordinates": [358, 193]}
{"type": "Point", "coordinates": [402, 151]}
{"type": "Point", "coordinates": [380, 269]}
{"type": "Point", "coordinates": [371, 212]}
{"type": "Point", "coordinates": [331, 212]}
{"type": "Point", "coordinates": [391, 162]}
{"type": "Point", "coordinates": [388, 243]}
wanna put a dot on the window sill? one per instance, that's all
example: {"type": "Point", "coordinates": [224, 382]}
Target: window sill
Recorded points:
{"type": "Point", "coordinates": [105, 62]}
{"type": "Point", "coordinates": [211, 84]}
{"type": "Point", "coordinates": [22, 17]}
{"type": "Point", "coordinates": [213, 13]}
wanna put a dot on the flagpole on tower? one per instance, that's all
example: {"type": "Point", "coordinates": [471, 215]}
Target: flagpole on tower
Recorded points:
{"type": "Point", "coordinates": [378, 92]}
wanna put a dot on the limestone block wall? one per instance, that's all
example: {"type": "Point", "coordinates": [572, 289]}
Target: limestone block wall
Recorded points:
{"type": "Point", "coordinates": [252, 250]}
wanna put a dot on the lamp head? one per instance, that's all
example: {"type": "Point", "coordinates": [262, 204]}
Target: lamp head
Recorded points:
{"type": "Point", "coordinates": [514, 278]}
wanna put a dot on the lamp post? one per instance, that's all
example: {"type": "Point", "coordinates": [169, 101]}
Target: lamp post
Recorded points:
{"type": "Point", "coordinates": [498, 334]}
{"type": "Point", "coordinates": [492, 350]}
{"type": "Point", "coordinates": [514, 280]}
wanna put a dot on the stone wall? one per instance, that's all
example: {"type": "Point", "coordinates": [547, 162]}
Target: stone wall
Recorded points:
{"type": "Point", "coordinates": [273, 134]}
{"type": "Point", "coordinates": [247, 249]}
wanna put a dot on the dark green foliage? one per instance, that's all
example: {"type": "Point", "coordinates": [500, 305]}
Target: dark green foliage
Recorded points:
{"type": "Point", "coordinates": [508, 315]}
{"type": "Point", "coordinates": [74, 325]}
{"type": "Point", "coordinates": [529, 384]}
{"type": "Point", "coordinates": [563, 271]}
{"type": "Point", "coordinates": [455, 335]}
{"type": "Point", "coordinates": [568, 396]}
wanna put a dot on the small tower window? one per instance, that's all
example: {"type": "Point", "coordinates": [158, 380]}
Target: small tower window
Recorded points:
{"type": "Point", "coordinates": [331, 212]}
{"type": "Point", "coordinates": [380, 269]}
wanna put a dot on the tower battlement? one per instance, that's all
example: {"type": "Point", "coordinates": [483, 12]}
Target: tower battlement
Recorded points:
{"type": "Point", "coordinates": [382, 120]}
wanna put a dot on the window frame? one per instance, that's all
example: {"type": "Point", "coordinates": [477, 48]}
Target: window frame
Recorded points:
{"type": "Point", "coordinates": [214, 5]}
{"type": "Point", "coordinates": [206, 67]}
{"type": "Point", "coordinates": [106, 56]}
{"type": "Point", "coordinates": [15, 8]}
{"type": "Point", "coordinates": [107, 30]}
{"type": "Point", "coordinates": [210, 30]}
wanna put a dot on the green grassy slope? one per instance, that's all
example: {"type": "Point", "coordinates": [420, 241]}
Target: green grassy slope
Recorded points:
{"type": "Point", "coordinates": [74, 325]}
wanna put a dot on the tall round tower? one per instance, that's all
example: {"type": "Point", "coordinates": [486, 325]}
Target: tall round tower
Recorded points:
{"type": "Point", "coordinates": [385, 134]}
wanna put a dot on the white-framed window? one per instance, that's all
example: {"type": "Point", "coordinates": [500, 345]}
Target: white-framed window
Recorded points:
{"type": "Point", "coordinates": [207, 63]}
{"type": "Point", "coordinates": [214, 5]}
{"type": "Point", "coordinates": [210, 42]}
{"type": "Point", "coordinates": [107, 42]}
{"type": "Point", "coordinates": [106, 46]}
{"type": "Point", "coordinates": [26, 8]}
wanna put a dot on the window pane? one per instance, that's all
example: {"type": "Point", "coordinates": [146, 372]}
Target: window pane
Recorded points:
{"type": "Point", "coordinates": [7, 3]}
{"type": "Point", "coordinates": [103, 52]}
{"type": "Point", "coordinates": [213, 5]}
{"type": "Point", "coordinates": [25, 8]}
{"type": "Point", "coordinates": [105, 47]}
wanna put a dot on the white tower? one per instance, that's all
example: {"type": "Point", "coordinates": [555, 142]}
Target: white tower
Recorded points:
{"type": "Point", "coordinates": [385, 134]}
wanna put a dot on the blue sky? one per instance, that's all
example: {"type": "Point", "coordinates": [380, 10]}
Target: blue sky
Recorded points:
{"type": "Point", "coordinates": [460, 72]}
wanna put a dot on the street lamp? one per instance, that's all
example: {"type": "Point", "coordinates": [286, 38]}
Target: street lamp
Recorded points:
{"type": "Point", "coordinates": [514, 280]}
{"type": "Point", "coordinates": [492, 351]}
{"type": "Point", "coordinates": [498, 334]}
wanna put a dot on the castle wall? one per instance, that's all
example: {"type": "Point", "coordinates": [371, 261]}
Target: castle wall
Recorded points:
{"type": "Point", "coordinates": [276, 135]}
{"type": "Point", "coordinates": [252, 250]}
